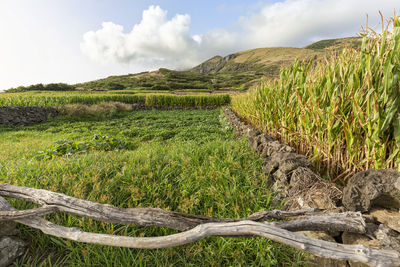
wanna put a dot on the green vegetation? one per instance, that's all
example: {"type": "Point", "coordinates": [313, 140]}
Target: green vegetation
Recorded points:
{"type": "Point", "coordinates": [56, 99]}
{"type": "Point", "coordinates": [170, 80]}
{"type": "Point", "coordinates": [41, 87]}
{"type": "Point", "coordinates": [343, 111]}
{"type": "Point", "coordinates": [187, 161]}
{"type": "Point", "coordinates": [187, 101]}
{"type": "Point", "coordinates": [69, 148]}
{"type": "Point", "coordinates": [86, 98]}
{"type": "Point", "coordinates": [337, 44]}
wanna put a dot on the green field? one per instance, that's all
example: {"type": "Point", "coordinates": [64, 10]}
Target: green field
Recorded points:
{"type": "Point", "coordinates": [187, 161]}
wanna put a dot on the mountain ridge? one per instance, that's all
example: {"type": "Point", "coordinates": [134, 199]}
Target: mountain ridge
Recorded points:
{"type": "Point", "coordinates": [270, 59]}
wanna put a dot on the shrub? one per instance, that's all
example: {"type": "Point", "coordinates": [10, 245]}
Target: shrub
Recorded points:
{"type": "Point", "coordinates": [115, 86]}
{"type": "Point", "coordinates": [160, 87]}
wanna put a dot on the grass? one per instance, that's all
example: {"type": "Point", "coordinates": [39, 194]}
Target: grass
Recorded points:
{"type": "Point", "coordinates": [343, 111]}
{"type": "Point", "coordinates": [186, 161]}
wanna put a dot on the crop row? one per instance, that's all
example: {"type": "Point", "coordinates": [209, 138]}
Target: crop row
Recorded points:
{"type": "Point", "coordinates": [344, 111]}
{"type": "Point", "coordinates": [151, 100]}
{"type": "Point", "coordinates": [43, 100]}
{"type": "Point", "coordinates": [188, 100]}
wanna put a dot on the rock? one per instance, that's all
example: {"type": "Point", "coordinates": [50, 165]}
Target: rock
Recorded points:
{"type": "Point", "coordinates": [379, 237]}
{"type": "Point", "coordinates": [275, 146]}
{"type": "Point", "coordinates": [388, 239]}
{"type": "Point", "coordinates": [250, 132]}
{"type": "Point", "coordinates": [263, 141]}
{"type": "Point", "coordinates": [352, 238]}
{"type": "Point", "coordinates": [8, 228]}
{"type": "Point", "coordinates": [372, 188]}
{"type": "Point", "coordinates": [308, 190]}
{"type": "Point", "coordinates": [279, 166]}
{"type": "Point", "coordinates": [388, 217]}
{"type": "Point", "coordinates": [318, 235]}
{"type": "Point", "coordinates": [258, 142]}
{"type": "Point", "coordinates": [10, 249]}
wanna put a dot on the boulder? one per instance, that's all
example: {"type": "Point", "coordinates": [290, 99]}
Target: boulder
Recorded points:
{"type": "Point", "coordinates": [389, 217]}
{"type": "Point", "coordinates": [8, 228]}
{"type": "Point", "coordinates": [388, 239]}
{"type": "Point", "coordinates": [10, 249]}
{"type": "Point", "coordinates": [257, 142]}
{"type": "Point", "coordinates": [308, 190]}
{"type": "Point", "coordinates": [274, 146]}
{"type": "Point", "coordinates": [358, 239]}
{"type": "Point", "coordinates": [372, 188]}
{"type": "Point", "coordinates": [279, 165]}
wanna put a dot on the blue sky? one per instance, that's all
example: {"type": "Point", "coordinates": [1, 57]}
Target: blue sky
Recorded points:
{"type": "Point", "coordinates": [80, 40]}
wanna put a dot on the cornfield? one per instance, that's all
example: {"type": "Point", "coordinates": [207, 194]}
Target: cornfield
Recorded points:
{"type": "Point", "coordinates": [89, 98]}
{"type": "Point", "coordinates": [63, 99]}
{"type": "Point", "coordinates": [343, 111]}
{"type": "Point", "coordinates": [188, 100]}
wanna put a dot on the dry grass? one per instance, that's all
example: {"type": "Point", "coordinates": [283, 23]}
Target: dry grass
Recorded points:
{"type": "Point", "coordinates": [274, 55]}
{"type": "Point", "coordinates": [151, 74]}
{"type": "Point", "coordinates": [97, 109]}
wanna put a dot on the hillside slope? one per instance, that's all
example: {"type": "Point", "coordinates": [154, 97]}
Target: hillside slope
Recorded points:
{"type": "Point", "coordinates": [172, 80]}
{"type": "Point", "coordinates": [270, 60]}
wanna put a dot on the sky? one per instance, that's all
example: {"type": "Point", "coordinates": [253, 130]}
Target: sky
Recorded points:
{"type": "Point", "coordinates": [71, 41]}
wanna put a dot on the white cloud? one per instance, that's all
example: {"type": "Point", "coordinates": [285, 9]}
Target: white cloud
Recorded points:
{"type": "Point", "coordinates": [154, 41]}
{"type": "Point", "coordinates": [300, 22]}
{"type": "Point", "coordinates": [161, 42]}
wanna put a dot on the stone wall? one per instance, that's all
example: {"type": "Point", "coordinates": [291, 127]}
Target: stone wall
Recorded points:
{"type": "Point", "coordinates": [289, 173]}
{"type": "Point", "coordinates": [374, 193]}
{"type": "Point", "coordinates": [26, 115]}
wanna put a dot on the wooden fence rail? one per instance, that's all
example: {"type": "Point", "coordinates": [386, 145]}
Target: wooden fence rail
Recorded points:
{"type": "Point", "coordinates": [195, 227]}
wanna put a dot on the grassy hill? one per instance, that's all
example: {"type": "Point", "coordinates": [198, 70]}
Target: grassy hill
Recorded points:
{"type": "Point", "coordinates": [270, 60]}
{"type": "Point", "coordinates": [171, 80]}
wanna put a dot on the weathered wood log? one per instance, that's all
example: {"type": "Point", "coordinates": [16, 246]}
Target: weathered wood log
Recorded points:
{"type": "Point", "coordinates": [356, 253]}
{"type": "Point", "coordinates": [13, 215]}
{"type": "Point", "coordinates": [311, 220]}
{"type": "Point", "coordinates": [343, 222]}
